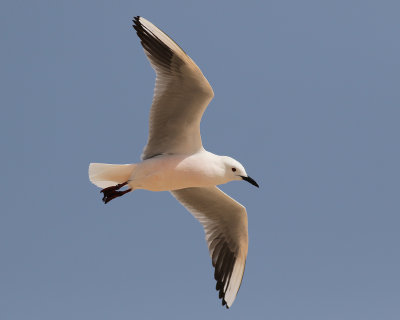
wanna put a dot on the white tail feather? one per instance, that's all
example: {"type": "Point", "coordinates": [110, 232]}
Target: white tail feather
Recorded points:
{"type": "Point", "coordinates": [106, 175]}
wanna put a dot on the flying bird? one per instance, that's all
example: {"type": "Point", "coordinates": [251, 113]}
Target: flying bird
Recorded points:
{"type": "Point", "coordinates": [174, 159]}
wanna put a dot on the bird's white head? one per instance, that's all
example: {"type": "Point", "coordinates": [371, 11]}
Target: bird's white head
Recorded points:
{"type": "Point", "coordinates": [235, 171]}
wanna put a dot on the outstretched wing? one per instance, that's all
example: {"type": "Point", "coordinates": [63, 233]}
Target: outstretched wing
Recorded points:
{"type": "Point", "coordinates": [181, 94]}
{"type": "Point", "coordinates": [225, 225]}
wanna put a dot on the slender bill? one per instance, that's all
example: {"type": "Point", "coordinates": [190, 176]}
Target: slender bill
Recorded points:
{"type": "Point", "coordinates": [250, 180]}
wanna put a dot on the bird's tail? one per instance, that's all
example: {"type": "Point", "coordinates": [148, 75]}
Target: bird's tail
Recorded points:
{"type": "Point", "coordinates": [105, 175]}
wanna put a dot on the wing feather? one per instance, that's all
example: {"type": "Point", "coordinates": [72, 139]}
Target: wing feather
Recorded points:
{"type": "Point", "coordinates": [225, 225]}
{"type": "Point", "coordinates": [181, 94]}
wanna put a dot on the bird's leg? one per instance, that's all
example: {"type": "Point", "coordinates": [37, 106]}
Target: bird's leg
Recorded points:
{"type": "Point", "coordinates": [112, 192]}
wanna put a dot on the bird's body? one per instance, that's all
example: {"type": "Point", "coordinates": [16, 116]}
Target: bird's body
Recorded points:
{"type": "Point", "coordinates": [173, 172]}
{"type": "Point", "coordinates": [174, 159]}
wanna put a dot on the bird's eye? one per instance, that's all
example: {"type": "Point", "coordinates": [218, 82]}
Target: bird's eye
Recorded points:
{"type": "Point", "coordinates": [233, 169]}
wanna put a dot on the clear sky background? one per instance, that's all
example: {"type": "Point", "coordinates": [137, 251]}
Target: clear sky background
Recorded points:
{"type": "Point", "coordinates": [307, 97]}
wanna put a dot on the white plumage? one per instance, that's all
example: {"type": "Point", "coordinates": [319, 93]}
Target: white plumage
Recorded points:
{"type": "Point", "coordinates": [174, 159]}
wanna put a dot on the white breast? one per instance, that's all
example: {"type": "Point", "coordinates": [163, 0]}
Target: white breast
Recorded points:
{"type": "Point", "coordinates": [173, 172]}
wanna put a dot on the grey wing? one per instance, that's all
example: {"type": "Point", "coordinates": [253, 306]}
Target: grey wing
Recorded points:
{"type": "Point", "coordinates": [225, 225]}
{"type": "Point", "coordinates": [181, 94]}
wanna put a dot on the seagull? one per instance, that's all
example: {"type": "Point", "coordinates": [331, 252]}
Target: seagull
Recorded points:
{"type": "Point", "coordinates": [174, 159]}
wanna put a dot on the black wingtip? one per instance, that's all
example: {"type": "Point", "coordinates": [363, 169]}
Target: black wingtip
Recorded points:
{"type": "Point", "coordinates": [136, 22]}
{"type": "Point", "coordinates": [223, 271]}
{"type": "Point", "coordinates": [225, 304]}
{"type": "Point", "coordinates": [157, 50]}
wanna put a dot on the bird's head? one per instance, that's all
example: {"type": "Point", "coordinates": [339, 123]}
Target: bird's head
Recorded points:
{"type": "Point", "coordinates": [235, 171]}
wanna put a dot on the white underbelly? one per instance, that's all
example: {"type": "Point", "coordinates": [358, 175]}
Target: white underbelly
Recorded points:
{"type": "Point", "coordinates": [164, 182]}
{"type": "Point", "coordinates": [172, 173]}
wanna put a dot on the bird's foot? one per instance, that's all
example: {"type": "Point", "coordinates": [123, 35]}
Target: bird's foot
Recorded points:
{"type": "Point", "coordinates": [112, 192]}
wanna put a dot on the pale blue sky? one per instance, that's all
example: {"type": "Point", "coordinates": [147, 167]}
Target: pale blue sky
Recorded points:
{"type": "Point", "coordinates": [307, 97]}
